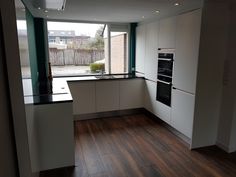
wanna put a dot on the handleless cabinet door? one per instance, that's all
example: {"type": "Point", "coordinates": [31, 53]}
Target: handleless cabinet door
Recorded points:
{"type": "Point", "coordinates": [151, 51]}
{"type": "Point", "coordinates": [167, 33]}
{"type": "Point", "coordinates": [187, 50]}
{"type": "Point", "coordinates": [140, 47]}
{"type": "Point", "coordinates": [182, 111]}
{"type": "Point", "coordinates": [131, 93]}
{"type": "Point", "coordinates": [107, 96]}
{"type": "Point", "coordinates": [150, 96]}
{"type": "Point", "coordinates": [83, 94]}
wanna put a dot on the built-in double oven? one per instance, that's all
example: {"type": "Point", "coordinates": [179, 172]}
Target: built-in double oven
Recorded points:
{"type": "Point", "coordinates": [164, 76]}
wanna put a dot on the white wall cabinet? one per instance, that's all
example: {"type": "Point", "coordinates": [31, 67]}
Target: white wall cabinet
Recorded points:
{"type": "Point", "coordinates": [187, 50]}
{"type": "Point", "coordinates": [182, 111]}
{"type": "Point", "coordinates": [107, 96]}
{"type": "Point", "coordinates": [151, 49]}
{"type": "Point", "coordinates": [131, 94]}
{"type": "Point", "coordinates": [83, 94]}
{"type": "Point", "coordinates": [140, 48]}
{"type": "Point", "coordinates": [167, 33]}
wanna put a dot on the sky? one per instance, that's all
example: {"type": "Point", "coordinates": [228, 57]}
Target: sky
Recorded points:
{"type": "Point", "coordinates": [79, 28]}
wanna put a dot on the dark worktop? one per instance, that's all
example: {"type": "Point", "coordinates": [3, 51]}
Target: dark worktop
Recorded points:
{"type": "Point", "coordinates": [60, 90]}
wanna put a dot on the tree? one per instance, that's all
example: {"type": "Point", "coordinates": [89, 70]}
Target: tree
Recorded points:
{"type": "Point", "coordinates": [98, 41]}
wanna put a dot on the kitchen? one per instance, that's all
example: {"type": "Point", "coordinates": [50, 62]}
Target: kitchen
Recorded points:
{"type": "Point", "coordinates": [173, 80]}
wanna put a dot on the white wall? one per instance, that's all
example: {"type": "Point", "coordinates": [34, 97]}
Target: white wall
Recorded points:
{"type": "Point", "coordinates": [213, 45]}
{"type": "Point", "coordinates": [227, 124]}
{"type": "Point", "coordinates": [7, 148]}
{"type": "Point", "coordinates": [7, 10]}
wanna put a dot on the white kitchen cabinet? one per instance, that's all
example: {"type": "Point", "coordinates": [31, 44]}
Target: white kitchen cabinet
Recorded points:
{"type": "Point", "coordinates": [150, 96]}
{"type": "Point", "coordinates": [151, 51]}
{"type": "Point", "coordinates": [140, 48]}
{"type": "Point", "coordinates": [131, 93]}
{"type": "Point", "coordinates": [160, 110]}
{"type": "Point", "coordinates": [83, 94]}
{"type": "Point", "coordinates": [187, 50]}
{"type": "Point", "coordinates": [107, 96]}
{"type": "Point", "coordinates": [182, 111]}
{"type": "Point", "coordinates": [167, 33]}
{"type": "Point", "coordinates": [50, 131]}
{"type": "Point", "coordinates": [163, 112]}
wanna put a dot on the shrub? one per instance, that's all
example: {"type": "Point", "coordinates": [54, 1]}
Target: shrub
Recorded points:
{"type": "Point", "coordinates": [95, 67]}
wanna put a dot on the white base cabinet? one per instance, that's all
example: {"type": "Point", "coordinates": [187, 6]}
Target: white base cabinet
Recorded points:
{"type": "Point", "coordinates": [83, 94]}
{"type": "Point", "coordinates": [131, 94]}
{"type": "Point", "coordinates": [51, 136]}
{"type": "Point", "coordinates": [182, 112]}
{"type": "Point", "coordinates": [107, 96]}
{"type": "Point", "coordinates": [163, 112]}
{"type": "Point", "coordinates": [150, 96]}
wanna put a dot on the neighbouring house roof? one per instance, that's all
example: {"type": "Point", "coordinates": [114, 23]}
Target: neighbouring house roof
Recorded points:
{"type": "Point", "coordinates": [65, 33]}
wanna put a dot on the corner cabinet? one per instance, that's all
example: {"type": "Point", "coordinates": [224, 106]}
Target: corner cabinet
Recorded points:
{"type": "Point", "coordinates": [140, 48]}
{"type": "Point", "coordinates": [83, 94]}
{"type": "Point", "coordinates": [167, 33]}
{"type": "Point", "coordinates": [150, 96]}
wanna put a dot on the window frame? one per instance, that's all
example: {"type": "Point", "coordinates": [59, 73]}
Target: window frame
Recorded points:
{"type": "Point", "coordinates": [111, 27]}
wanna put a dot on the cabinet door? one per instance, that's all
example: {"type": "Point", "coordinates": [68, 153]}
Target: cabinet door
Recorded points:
{"type": "Point", "coordinates": [107, 96]}
{"type": "Point", "coordinates": [150, 96]}
{"type": "Point", "coordinates": [187, 49]}
{"type": "Point", "coordinates": [182, 111]}
{"type": "Point", "coordinates": [163, 112]}
{"type": "Point", "coordinates": [83, 94]}
{"type": "Point", "coordinates": [167, 33]}
{"type": "Point", "coordinates": [151, 51]}
{"type": "Point", "coordinates": [131, 94]}
{"type": "Point", "coordinates": [140, 47]}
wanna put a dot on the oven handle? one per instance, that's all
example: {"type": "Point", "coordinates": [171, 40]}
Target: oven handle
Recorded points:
{"type": "Point", "coordinates": [165, 59]}
{"type": "Point", "coordinates": [169, 83]}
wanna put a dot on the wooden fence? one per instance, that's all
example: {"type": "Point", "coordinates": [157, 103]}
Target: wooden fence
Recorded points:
{"type": "Point", "coordinates": [61, 57]}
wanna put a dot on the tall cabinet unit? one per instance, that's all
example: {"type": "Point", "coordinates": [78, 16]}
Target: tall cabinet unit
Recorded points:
{"type": "Point", "coordinates": [187, 50]}
{"type": "Point", "coordinates": [151, 51]}
{"type": "Point", "coordinates": [181, 33]}
{"type": "Point", "coordinates": [140, 48]}
{"type": "Point", "coordinates": [185, 71]}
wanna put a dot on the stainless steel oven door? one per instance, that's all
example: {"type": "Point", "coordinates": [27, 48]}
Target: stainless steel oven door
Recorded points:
{"type": "Point", "coordinates": [163, 94]}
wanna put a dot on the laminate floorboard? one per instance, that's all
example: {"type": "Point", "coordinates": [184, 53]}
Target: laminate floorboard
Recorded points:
{"type": "Point", "coordinates": [138, 146]}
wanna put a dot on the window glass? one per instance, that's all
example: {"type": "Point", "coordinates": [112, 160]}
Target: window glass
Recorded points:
{"type": "Point", "coordinates": [76, 48]}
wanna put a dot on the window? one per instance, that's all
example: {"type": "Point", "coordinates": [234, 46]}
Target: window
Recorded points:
{"type": "Point", "coordinates": [23, 48]}
{"type": "Point", "coordinates": [86, 49]}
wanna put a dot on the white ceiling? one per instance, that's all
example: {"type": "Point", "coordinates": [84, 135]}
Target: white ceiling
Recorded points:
{"type": "Point", "coordinates": [114, 10]}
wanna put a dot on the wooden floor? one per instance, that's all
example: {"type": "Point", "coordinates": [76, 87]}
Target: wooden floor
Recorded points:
{"type": "Point", "coordinates": [137, 146]}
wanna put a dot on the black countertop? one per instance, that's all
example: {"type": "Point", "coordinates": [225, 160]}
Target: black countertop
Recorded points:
{"type": "Point", "coordinates": [60, 90]}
